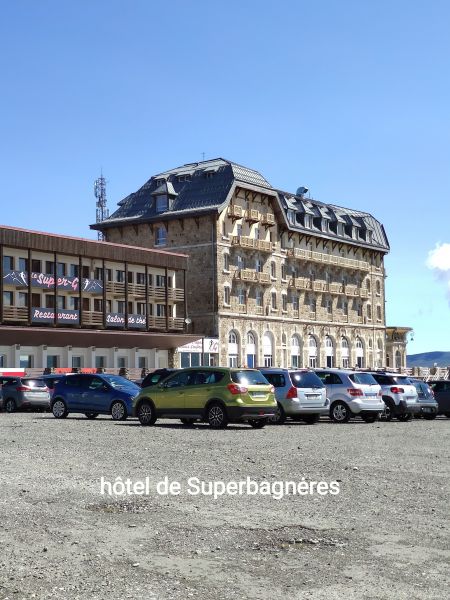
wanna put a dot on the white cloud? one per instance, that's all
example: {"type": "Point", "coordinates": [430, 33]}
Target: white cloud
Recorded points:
{"type": "Point", "coordinates": [439, 258]}
{"type": "Point", "coordinates": [439, 261]}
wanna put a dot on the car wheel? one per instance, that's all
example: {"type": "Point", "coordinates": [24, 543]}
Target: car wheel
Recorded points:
{"type": "Point", "coordinates": [388, 411]}
{"type": "Point", "coordinates": [59, 409]}
{"type": "Point", "coordinates": [118, 411]}
{"type": "Point", "coordinates": [340, 413]}
{"type": "Point", "coordinates": [146, 413]}
{"type": "Point", "coordinates": [404, 417]}
{"type": "Point", "coordinates": [370, 418]}
{"type": "Point", "coordinates": [10, 405]}
{"type": "Point", "coordinates": [217, 416]}
{"type": "Point", "coordinates": [91, 415]}
{"type": "Point", "coordinates": [258, 423]}
{"type": "Point", "coordinates": [187, 421]}
{"type": "Point", "coordinates": [311, 419]}
{"type": "Point", "coordinates": [429, 416]}
{"type": "Point", "coordinates": [279, 417]}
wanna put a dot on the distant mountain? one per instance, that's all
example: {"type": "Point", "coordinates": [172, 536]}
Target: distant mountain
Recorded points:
{"type": "Point", "coordinates": [428, 359]}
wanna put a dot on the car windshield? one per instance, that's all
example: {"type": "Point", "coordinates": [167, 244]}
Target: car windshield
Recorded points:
{"type": "Point", "coordinates": [249, 378]}
{"type": "Point", "coordinates": [120, 382]}
{"type": "Point", "coordinates": [34, 383]}
{"type": "Point", "coordinates": [306, 380]}
{"type": "Point", "coordinates": [402, 381]}
{"type": "Point", "coordinates": [362, 378]}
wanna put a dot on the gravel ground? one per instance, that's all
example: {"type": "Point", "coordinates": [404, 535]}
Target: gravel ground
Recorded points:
{"type": "Point", "coordinates": [385, 535]}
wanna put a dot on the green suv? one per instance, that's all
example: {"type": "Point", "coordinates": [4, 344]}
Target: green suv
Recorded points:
{"type": "Point", "coordinates": [217, 395]}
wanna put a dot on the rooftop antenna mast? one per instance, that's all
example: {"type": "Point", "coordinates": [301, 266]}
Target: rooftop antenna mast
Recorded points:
{"type": "Point", "coordinates": [102, 211]}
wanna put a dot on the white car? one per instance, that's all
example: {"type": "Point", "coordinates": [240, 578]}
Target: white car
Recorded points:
{"type": "Point", "coordinates": [352, 394]}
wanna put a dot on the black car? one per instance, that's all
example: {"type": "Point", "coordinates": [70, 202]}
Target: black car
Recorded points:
{"type": "Point", "coordinates": [156, 376]}
{"type": "Point", "coordinates": [441, 391]}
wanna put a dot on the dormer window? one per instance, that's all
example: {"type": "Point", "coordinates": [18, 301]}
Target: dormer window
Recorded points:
{"type": "Point", "coordinates": [317, 223]}
{"type": "Point", "coordinates": [348, 230]}
{"type": "Point", "coordinates": [162, 203]}
{"type": "Point", "coordinates": [209, 174]}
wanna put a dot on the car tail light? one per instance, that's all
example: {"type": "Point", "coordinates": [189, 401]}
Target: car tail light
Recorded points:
{"type": "Point", "coordinates": [380, 393]}
{"type": "Point", "coordinates": [272, 389]}
{"type": "Point", "coordinates": [292, 392]}
{"type": "Point", "coordinates": [355, 392]}
{"type": "Point", "coordinates": [23, 388]}
{"type": "Point", "coordinates": [397, 390]}
{"type": "Point", "coordinates": [236, 389]}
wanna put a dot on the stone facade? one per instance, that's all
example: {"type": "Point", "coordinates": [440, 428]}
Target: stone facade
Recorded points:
{"type": "Point", "coordinates": [274, 295]}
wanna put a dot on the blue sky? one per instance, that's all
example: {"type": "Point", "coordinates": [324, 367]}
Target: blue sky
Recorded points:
{"type": "Point", "coordinates": [349, 98]}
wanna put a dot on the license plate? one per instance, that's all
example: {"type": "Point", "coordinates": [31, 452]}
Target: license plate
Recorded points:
{"type": "Point", "coordinates": [371, 395]}
{"type": "Point", "coordinates": [258, 394]}
{"type": "Point", "coordinates": [312, 397]}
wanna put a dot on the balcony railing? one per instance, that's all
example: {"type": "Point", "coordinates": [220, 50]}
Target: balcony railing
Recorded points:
{"type": "Point", "coordinates": [15, 313]}
{"type": "Point", "coordinates": [235, 211]}
{"type": "Point", "coordinates": [263, 278]}
{"type": "Point", "coordinates": [321, 257]}
{"type": "Point", "coordinates": [92, 317]}
{"type": "Point", "coordinates": [268, 219]}
{"type": "Point", "coordinates": [252, 215]}
{"type": "Point", "coordinates": [246, 275]}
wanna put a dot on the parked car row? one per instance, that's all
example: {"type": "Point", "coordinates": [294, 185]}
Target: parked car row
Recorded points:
{"type": "Point", "coordinates": [222, 395]}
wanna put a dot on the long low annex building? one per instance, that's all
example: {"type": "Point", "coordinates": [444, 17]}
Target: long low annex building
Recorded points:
{"type": "Point", "coordinates": [69, 302]}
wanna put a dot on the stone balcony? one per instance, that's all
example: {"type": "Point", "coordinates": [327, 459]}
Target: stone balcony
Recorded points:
{"type": "Point", "coordinates": [332, 259]}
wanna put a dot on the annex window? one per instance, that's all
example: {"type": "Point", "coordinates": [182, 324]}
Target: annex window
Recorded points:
{"type": "Point", "coordinates": [226, 295]}
{"type": "Point", "coordinates": [160, 236]}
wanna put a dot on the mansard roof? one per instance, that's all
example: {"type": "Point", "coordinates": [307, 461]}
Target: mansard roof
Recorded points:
{"type": "Point", "coordinates": [207, 186]}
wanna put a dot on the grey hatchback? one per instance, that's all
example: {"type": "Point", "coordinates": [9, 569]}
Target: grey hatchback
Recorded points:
{"type": "Point", "coordinates": [25, 392]}
{"type": "Point", "coordinates": [299, 393]}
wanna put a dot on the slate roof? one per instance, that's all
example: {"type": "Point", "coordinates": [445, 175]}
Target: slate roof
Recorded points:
{"type": "Point", "coordinates": [203, 187]}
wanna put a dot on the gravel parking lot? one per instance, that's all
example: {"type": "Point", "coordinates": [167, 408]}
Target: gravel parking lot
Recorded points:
{"type": "Point", "coordinates": [385, 535]}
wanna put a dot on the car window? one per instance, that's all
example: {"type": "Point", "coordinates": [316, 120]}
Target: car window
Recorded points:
{"type": "Point", "coordinates": [34, 383]}
{"type": "Point", "coordinates": [330, 378]}
{"type": "Point", "coordinates": [382, 379]}
{"type": "Point", "coordinates": [179, 379]}
{"type": "Point", "coordinates": [118, 382]}
{"type": "Point", "coordinates": [362, 378]}
{"type": "Point", "coordinates": [276, 379]}
{"type": "Point", "coordinates": [94, 383]}
{"type": "Point", "coordinates": [248, 377]}
{"type": "Point", "coordinates": [206, 377]}
{"type": "Point", "coordinates": [402, 380]}
{"type": "Point", "coordinates": [73, 381]}
{"type": "Point", "coordinates": [306, 379]}
{"type": "Point", "coordinates": [10, 382]}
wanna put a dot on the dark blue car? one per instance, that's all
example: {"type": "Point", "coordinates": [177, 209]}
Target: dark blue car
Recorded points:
{"type": "Point", "coordinates": [94, 395]}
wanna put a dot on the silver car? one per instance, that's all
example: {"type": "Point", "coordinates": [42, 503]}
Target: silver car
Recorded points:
{"type": "Point", "coordinates": [399, 395]}
{"type": "Point", "coordinates": [352, 394]}
{"type": "Point", "coordinates": [426, 400]}
{"type": "Point", "coordinates": [299, 393]}
{"type": "Point", "coordinates": [25, 392]}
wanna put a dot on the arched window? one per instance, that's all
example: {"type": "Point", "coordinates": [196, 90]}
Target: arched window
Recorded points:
{"type": "Point", "coordinates": [312, 352]}
{"type": "Point", "coordinates": [251, 361]}
{"type": "Point", "coordinates": [378, 312]}
{"type": "Point", "coordinates": [379, 354]}
{"type": "Point", "coordinates": [369, 312]}
{"type": "Point", "coordinates": [359, 353]}
{"type": "Point", "coordinates": [233, 349]}
{"type": "Point", "coordinates": [345, 353]}
{"type": "Point", "coordinates": [268, 349]}
{"type": "Point", "coordinates": [329, 352]}
{"type": "Point", "coordinates": [378, 287]}
{"type": "Point", "coordinates": [295, 352]}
